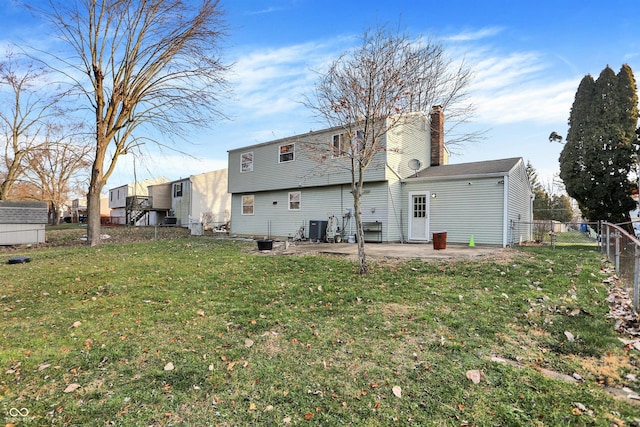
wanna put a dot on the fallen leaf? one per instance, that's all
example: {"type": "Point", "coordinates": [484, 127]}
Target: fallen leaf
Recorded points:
{"type": "Point", "coordinates": [286, 420]}
{"type": "Point", "coordinates": [252, 406]}
{"type": "Point", "coordinates": [72, 387]}
{"type": "Point", "coordinates": [268, 408]}
{"type": "Point", "coordinates": [580, 406]}
{"type": "Point", "coordinates": [569, 336]}
{"type": "Point", "coordinates": [397, 391]}
{"type": "Point", "coordinates": [308, 416]}
{"type": "Point", "coordinates": [43, 366]}
{"type": "Point", "coordinates": [248, 343]}
{"type": "Point", "coordinates": [475, 376]}
{"type": "Point", "coordinates": [169, 367]}
{"type": "Point", "coordinates": [76, 324]}
{"type": "Point", "coordinates": [200, 313]}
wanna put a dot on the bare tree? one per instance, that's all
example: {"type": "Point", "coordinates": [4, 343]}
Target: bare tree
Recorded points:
{"type": "Point", "coordinates": [54, 168]}
{"type": "Point", "coordinates": [370, 90]}
{"type": "Point", "coordinates": [141, 66]}
{"type": "Point", "coordinates": [25, 106]}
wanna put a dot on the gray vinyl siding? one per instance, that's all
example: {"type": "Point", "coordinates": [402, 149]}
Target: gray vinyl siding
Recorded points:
{"type": "Point", "coordinates": [462, 209]}
{"type": "Point", "coordinates": [181, 205]}
{"type": "Point", "coordinates": [520, 204]}
{"type": "Point", "coordinates": [313, 165]}
{"type": "Point", "coordinates": [396, 212]}
{"type": "Point", "coordinates": [406, 142]}
{"type": "Point", "coordinates": [272, 215]}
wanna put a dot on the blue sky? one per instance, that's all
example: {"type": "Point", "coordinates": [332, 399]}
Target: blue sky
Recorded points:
{"type": "Point", "coordinates": [528, 59]}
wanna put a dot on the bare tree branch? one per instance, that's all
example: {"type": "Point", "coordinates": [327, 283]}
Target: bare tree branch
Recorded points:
{"type": "Point", "coordinates": [140, 65]}
{"type": "Point", "coordinates": [26, 106]}
{"type": "Point", "coordinates": [373, 89]}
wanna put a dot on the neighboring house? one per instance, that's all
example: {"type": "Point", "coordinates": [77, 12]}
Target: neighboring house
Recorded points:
{"type": "Point", "coordinates": [22, 223]}
{"type": "Point", "coordinates": [195, 202]}
{"type": "Point", "coordinates": [78, 210]}
{"type": "Point", "coordinates": [410, 191]}
{"type": "Point", "coordinates": [125, 200]}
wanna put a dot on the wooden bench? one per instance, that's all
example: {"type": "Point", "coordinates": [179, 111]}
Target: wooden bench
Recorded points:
{"type": "Point", "coordinates": [373, 228]}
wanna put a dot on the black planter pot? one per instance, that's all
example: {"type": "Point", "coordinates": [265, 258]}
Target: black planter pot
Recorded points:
{"type": "Point", "coordinates": [265, 244]}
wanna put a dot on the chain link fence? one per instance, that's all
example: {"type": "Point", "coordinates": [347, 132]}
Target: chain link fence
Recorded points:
{"type": "Point", "coordinates": [553, 233]}
{"type": "Point", "coordinates": [623, 250]}
{"type": "Point", "coordinates": [619, 246]}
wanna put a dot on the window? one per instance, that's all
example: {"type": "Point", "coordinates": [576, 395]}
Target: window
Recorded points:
{"type": "Point", "coordinates": [358, 141]}
{"type": "Point", "coordinates": [294, 201]}
{"type": "Point", "coordinates": [247, 205]}
{"type": "Point", "coordinates": [246, 162]}
{"type": "Point", "coordinates": [420, 206]}
{"type": "Point", "coordinates": [286, 153]}
{"type": "Point", "coordinates": [177, 190]}
{"type": "Point", "coordinates": [339, 145]}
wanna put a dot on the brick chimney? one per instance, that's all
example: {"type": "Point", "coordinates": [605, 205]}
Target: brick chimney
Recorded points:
{"type": "Point", "coordinates": [437, 136]}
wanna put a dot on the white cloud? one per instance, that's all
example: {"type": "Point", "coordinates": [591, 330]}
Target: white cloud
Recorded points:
{"type": "Point", "coordinates": [518, 86]}
{"type": "Point", "coordinates": [274, 81]}
{"type": "Point", "coordinates": [467, 36]}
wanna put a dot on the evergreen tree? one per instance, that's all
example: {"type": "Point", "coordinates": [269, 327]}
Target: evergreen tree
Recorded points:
{"type": "Point", "coordinates": [561, 209]}
{"type": "Point", "coordinates": [599, 153]}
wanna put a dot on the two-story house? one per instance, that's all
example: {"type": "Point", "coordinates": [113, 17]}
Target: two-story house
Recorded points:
{"type": "Point", "coordinates": [410, 190]}
{"type": "Point", "coordinates": [196, 201]}
{"type": "Point", "coordinates": [121, 199]}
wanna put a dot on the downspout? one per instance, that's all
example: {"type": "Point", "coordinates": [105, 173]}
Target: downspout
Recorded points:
{"type": "Point", "coordinates": [398, 223]}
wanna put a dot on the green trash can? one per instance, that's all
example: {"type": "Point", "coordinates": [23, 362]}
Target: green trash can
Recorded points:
{"type": "Point", "coordinates": [440, 240]}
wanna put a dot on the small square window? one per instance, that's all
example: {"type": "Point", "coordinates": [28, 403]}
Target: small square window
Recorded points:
{"type": "Point", "coordinates": [286, 153]}
{"type": "Point", "coordinates": [294, 200]}
{"type": "Point", "coordinates": [247, 205]}
{"type": "Point", "coordinates": [246, 162]}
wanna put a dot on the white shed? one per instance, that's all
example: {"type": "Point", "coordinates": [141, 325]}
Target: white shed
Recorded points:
{"type": "Point", "coordinates": [22, 223]}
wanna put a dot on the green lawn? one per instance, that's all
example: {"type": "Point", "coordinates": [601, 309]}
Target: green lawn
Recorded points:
{"type": "Point", "coordinates": [202, 331]}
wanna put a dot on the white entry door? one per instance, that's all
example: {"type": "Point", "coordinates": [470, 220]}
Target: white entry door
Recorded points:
{"type": "Point", "coordinates": [418, 216]}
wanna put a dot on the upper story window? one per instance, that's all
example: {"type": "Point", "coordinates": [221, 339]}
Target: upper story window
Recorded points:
{"type": "Point", "coordinates": [247, 204]}
{"type": "Point", "coordinates": [177, 189]}
{"type": "Point", "coordinates": [294, 200]}
{"type": "Point", "coordinates": [246, 162]}
{"type": "Point", "coordinates": [358, 142]}
{"type": "Point", "coordinates": [339, 145]}
{"type": "Point", "coordinates": [286, 153]}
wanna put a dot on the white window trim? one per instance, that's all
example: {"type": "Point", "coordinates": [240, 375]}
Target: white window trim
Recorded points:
{"type": "Point", "coordinates": [242, 205]}
{"type": "Point", "coordinates": [343, 148]}
{"type": "Point", "coordinates": [293, 152]}
{"type": "Point", "coordinates": [299, 193]}
{"type": "Point", "coordinates": [250, 169]}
